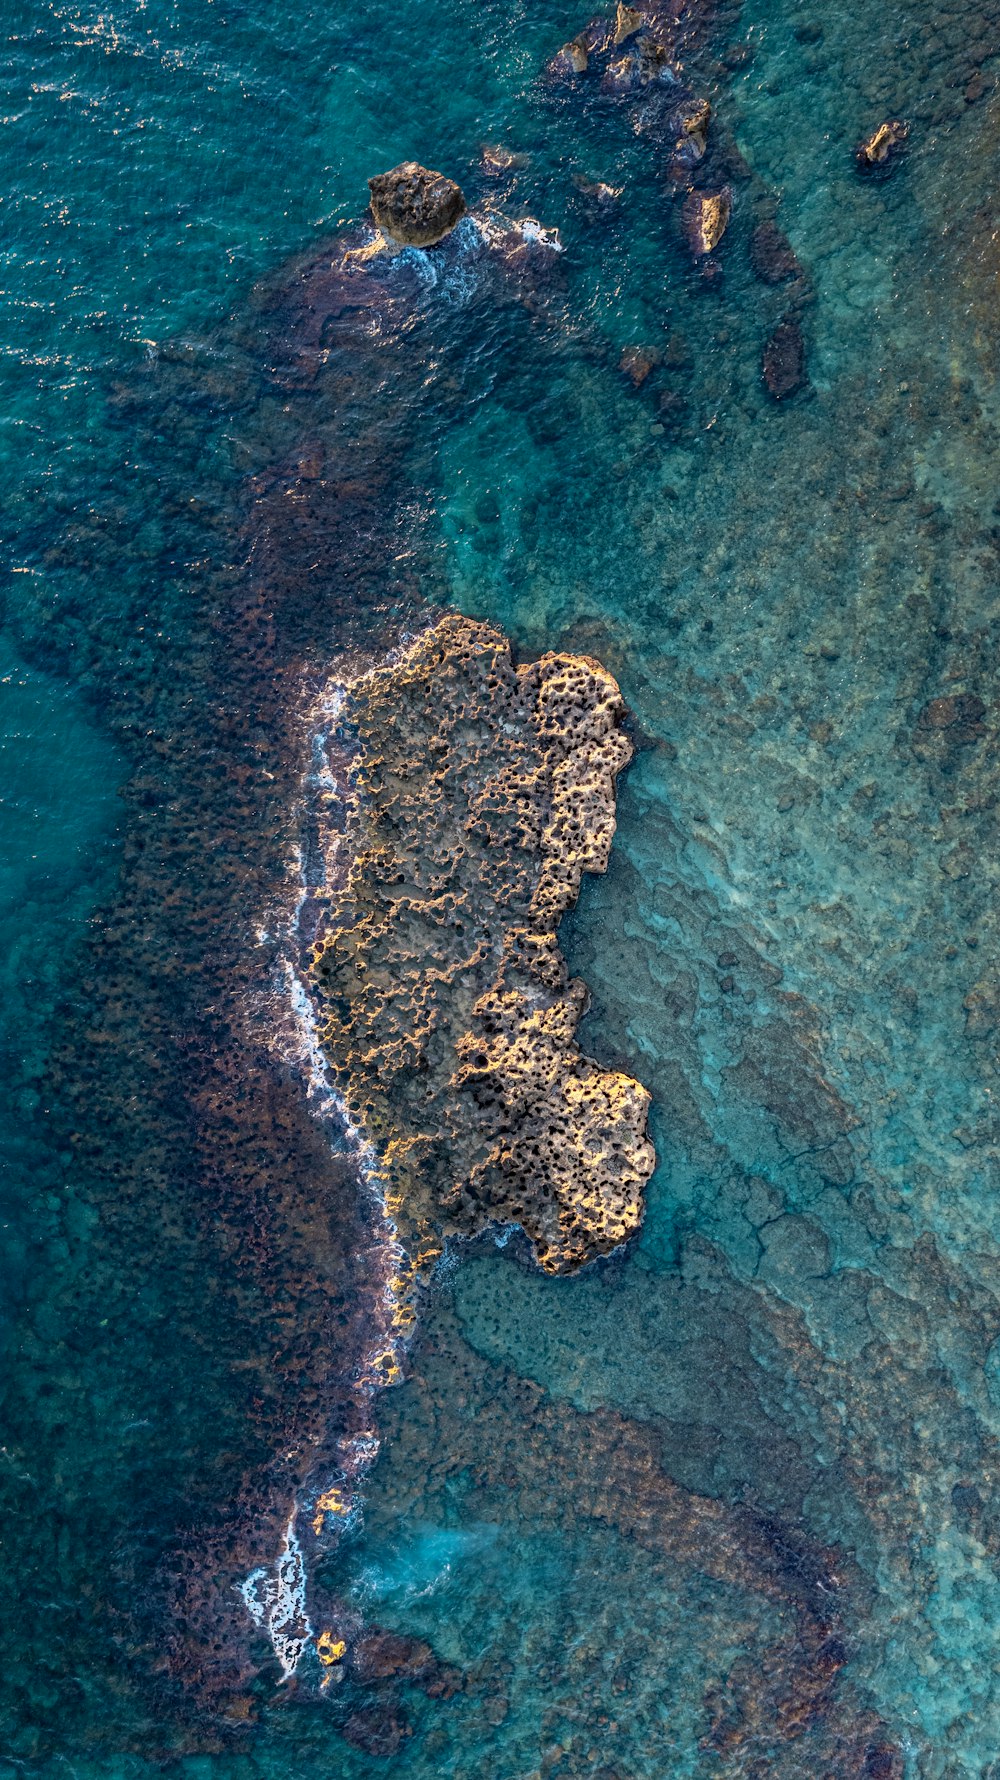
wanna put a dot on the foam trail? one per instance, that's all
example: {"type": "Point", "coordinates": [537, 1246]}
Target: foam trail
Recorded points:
{"type": "Point", "coordinates": [276, 1594]}
{"type": "Point", "coordinates": [276, 1602]}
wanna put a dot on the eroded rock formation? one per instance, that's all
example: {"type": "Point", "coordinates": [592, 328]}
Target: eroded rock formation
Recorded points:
{"type": "Point", "coordinates": [414, 205]}
{"type": "Point", "coordinates": [484, 792]}
{"type": "Point", "coordinates": [705, 219]}
{"type": "Point", "coordinates": [879, 152]}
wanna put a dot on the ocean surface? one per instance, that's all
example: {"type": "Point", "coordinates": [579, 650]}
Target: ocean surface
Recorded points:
{"type": "Point", "coordinates": [727, 1503]}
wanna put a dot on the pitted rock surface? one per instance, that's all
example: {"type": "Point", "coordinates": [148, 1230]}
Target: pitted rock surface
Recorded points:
{"type": "Point", "coordinates": [415, 205]}
{"type": "Point", "coordinates": [484, 791]}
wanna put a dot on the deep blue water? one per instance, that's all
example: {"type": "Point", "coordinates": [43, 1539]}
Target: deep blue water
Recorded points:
{"type": "Point", "coordinates": [727, 1504]}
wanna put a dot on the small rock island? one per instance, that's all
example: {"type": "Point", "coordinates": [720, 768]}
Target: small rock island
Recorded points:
{"type": "Point", "coordinates": [483, 792]}
{"type": "Point", "coordinates": [415, 206]}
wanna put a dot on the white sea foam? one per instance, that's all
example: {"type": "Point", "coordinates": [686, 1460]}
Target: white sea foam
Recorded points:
{"type": "Point", "coordinates": [276, 1595]}
{"type": "Point", "coordinates": [276, 1601]}
{"type": "Point", "coordinates": [456, 274]}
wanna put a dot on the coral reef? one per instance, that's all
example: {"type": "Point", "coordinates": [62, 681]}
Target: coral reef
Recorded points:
{"type": "Point", "coordinates": [805, 619]}
{"type": "Point", "coordinates": [485, 791]}
{"type": "Point", "coordinates": [784, 360]}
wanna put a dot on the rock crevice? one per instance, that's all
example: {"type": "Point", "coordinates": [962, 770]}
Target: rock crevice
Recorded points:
{"type": "Point", "coordinates": [484, 791]}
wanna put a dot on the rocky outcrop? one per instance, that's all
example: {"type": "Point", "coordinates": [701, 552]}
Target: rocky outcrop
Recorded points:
{"type": "Point", "coordinates": [691, 121]}
{"type": "Point", "coordinates": [484, 791]}
{"type": "Point", "coordinates": [879, 152]}
{"type": "Point", "coordinates": [628, 20]}
{"type": "Point", "coordinates": [414, 205]}
{"type": "Point", "coordinates": [571, 60]}
{"type": "Point", "coordinates": [705, 219]}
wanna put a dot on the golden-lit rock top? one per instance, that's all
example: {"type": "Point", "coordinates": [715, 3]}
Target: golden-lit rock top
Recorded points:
{"type": "Point", "coordinates": [484, 791]}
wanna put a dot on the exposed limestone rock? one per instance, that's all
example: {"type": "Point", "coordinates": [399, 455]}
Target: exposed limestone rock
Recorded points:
{"type": "Point", "coordinates": [571, 60]}
{"type": "Point", "coordinates": [879, 151]}
{"type": "Point", "coordinates": [627, 22]}
{"type": "Point", "coordinates": [415, 205]}
{"type": "Point", "coordinates": [484, 792]}
{"type": "Point", "coordinates": [645, 62]}
{"type": "Point", "coordinates": [705, 219]}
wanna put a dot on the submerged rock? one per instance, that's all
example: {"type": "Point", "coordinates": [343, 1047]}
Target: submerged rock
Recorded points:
{"type": "Point", "coordinates": [637, 362]}
{"type": "Point", "coordinates": [645, 62]}
{"type": "Point", "coordinates": [414, 205]}
{"type": "Point", "coordinates": [690, 125]}
{"type": "Point", "coordinates": [705, 219]}
{"type": "Point", "coordinates": [379, 1656]}
{"type": "Point", "coordinates": [600, 199]}
{"type": "Point", "coordinates": [376, 1730]}
{"type": "Point", "coordinates": [879, 151]}
{"type": "Point", "coordinates": [785, 360]}
{"type": "Point", "coordinates": [496, 159]}
{"type": "Point", "coordinates": [484, 792]}
{"type": "Point", "coordinates": [958, 715]}
{"type": "Point", "coordinates": [772, 255]}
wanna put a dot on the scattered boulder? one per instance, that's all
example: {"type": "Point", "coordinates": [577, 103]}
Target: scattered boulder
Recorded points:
{"type": "Point", "coordinates": [570, 61]}
{"type": "Point", "coordinates": [599, 198]}
{"type": "Point", "coordinates": [785, 360]}
{"type": "Point", "coordinates": [644, 63]}
{"type": "Point", "coordinates": [637, 362]}
{"type": "Point", "coordinates": [880, 151]}
{"type": "Point", "coordinates": [627, 22]}
{"type": "Point", "coordinates": [772, 256]}
{"type": "Point", "coordinates": [705, 219]}
{"type": "Point", "coordinates": [415, 206]}
{"type": "Point", "coordinates": [690, 125]}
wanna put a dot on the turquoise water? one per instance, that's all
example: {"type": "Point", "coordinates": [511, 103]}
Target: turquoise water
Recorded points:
{"type": "Point", "coordinates": [726, 1504]}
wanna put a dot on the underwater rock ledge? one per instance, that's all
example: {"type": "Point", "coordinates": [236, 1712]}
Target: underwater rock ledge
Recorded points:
{"type": "Point", "coordinates": [483, 792]}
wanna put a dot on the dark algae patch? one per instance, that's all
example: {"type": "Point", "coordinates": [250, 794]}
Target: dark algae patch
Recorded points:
{"type": "Point", "coordinates": [342, 1431]}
